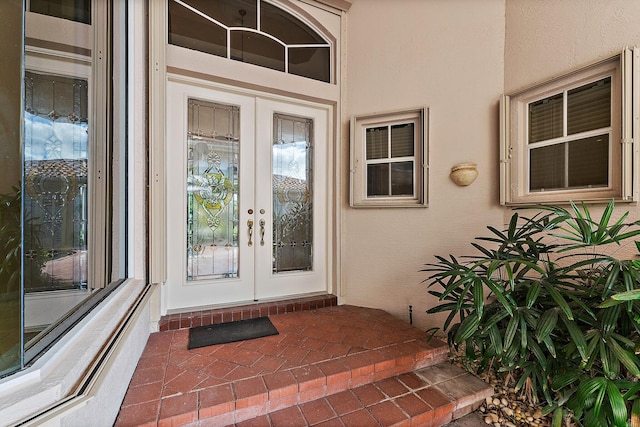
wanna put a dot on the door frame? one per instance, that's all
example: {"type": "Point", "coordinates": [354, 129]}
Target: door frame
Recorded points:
{"type": "Point", "coordinates": [172, 301]}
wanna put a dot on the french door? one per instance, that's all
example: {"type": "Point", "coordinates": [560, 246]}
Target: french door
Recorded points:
{"type": "Point", "coordinates": [246, 196]}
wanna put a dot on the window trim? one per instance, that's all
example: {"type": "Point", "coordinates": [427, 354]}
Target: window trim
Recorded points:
{"type": "Point", "coordinates": [514, 168]}
{"type": "Point", "coordinates": [358, 194]}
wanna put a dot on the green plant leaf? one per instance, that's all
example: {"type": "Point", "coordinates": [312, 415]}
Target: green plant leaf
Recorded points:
{"type": "Point", "coordinates": [566, 379]}
{"type": "Point", "coordinates": [467, 328]}
{"type": "Point", "coordinates": [559, 300]}
{"type": "Point", "coordinates": [532, 294]}
{"type": "Point", "coordinates": [546, 324]}
{"type": "Point", "coordinates": [478, 297]}
{"type": "Point", "coordinates": [635, 413]}
{"type": "Point", "coordinates": [628, 359]}
{"type": "Point", "coordinates": [618, 406]}
{"type": "Point", "coordinates": [495, 338]}
{"type": "Point", "coordinates": [576, 336]}
{"type": "Point", "coordinates": [512, 328]}
{"type": "Point", "coordinates": [631, 295]}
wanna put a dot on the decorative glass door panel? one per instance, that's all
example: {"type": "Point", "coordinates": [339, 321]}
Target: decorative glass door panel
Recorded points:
{"type": "Point", "coordinates": [249, 173]}
{"type": "Point", "coordinates": [212, 190]}
{"type": "Point", "coordinates": [55, 169]}
{"type": "Point", "coordinates": [292, 193]}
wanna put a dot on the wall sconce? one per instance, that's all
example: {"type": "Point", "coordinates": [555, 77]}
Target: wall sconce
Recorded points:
{"type": "Point", "coordinates": [464, 174]}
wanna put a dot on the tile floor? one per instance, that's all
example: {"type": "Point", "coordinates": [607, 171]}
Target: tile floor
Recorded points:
{"type": "Point", "coordinates": [331, 366]}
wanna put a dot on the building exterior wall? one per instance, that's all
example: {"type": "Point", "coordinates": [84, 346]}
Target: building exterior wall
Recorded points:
{"type": "Point", "coordinates": [447, 56]}
{"type": "Point", "coordinates": [546, 39]}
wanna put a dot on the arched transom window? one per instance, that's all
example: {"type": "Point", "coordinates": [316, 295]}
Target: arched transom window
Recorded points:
{"type": "Point", "coordinates": [251, 31]}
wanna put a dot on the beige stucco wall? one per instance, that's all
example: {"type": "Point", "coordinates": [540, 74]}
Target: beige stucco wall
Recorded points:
{"type": "Point", "coordinates": [548, 38]}
{"type": "Point", "coordinates": [448, 56]}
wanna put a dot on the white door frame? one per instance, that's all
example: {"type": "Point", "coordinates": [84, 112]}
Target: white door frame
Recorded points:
{"type": "Point", "coordinates": [256, 107]}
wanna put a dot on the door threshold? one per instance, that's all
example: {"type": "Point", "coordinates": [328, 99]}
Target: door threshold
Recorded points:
{"type": "Point", "coordinates": [203, 316]}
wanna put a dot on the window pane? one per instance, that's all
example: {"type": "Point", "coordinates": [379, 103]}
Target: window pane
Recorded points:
{"type": "Point", "coordinates": [377, 141]}
{"type": "Point", "coordinates": [311, 62]}
{"type": "Point", "coordinates": [74, 10]}
{"type": "Point", "coordinates": [192, 31]}
{"type": "Point", "coordinates": [547, 168]}
{"type": "Point", "coordinates": [402, 179]}
{"type": "Point", "coordinates": [10, 192]}
{"type": "Point", "coordinates": [589, 162]}
{"type": "Point", "coordinates": [402, 140]}
{"type": "Point", "coordinates": [378, 180]}
{"type": "Point", "coordinates": [56, 199]}
{"type": "Point", "coordinates": [257, 49]}
{"type": "Point", "coordinates": [292, 194]}
{"type": "Point", "coordinates": [286, 27]}
{"type": "Point", "coordinates": [589, 107]}
{"type": "Point", "coordinates": [213, 145]}
{"type": "Point", "coordinates": [545, 119]}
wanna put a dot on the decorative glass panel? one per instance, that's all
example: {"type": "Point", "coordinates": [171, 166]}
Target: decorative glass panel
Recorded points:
{"type": "Point", "coordinates": [292, 194]}
{"type": "Point", "coordinates": [55, 169]}
{"type": "Point", "coordinates": [213, 144]}
{"type": "Point", "coordinates": [545, 119]}
{"type": "Point", "coordinates": [74, 10]}
{"type": "Point", "coordinates": [589, 107]}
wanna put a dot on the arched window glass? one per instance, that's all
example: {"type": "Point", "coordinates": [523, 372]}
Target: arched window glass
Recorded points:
{"type": "Point", "coordinates": [251, 31]}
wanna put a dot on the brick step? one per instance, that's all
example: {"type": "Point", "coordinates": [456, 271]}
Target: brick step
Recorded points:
{"type": "Point", "coordinates": [431, 396]}
{"type": "Point", "coordinates": [320, 357]}
{"type": "Point", "coordinates": [253, 397]}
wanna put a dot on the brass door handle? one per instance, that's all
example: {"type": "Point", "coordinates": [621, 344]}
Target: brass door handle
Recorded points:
{"type": "Point", "coordinates": [262, 232]}
{"type": "Point", "coordinates": [250, 225]}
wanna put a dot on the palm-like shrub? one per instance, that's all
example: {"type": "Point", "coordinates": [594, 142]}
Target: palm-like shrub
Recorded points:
{"type": "Point", "coordinates": [547, 302]}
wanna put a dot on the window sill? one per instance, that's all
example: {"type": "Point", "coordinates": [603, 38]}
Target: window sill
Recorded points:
{"type": "Point", "coordinates": [64, 371]}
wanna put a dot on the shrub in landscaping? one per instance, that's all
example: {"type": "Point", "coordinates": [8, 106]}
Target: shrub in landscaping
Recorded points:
{"type": "Point", "coordinates": [547, 301]}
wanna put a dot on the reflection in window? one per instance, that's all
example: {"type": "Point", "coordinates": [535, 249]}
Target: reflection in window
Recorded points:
{"type": "Point", "coordinates": [73, 10]}
{"type": "Point", "coordinates": [251, 31]}
{"type": "Point", "coordinates": [292, 182]}
{"type": "Point", "coordinates": [55, 168]}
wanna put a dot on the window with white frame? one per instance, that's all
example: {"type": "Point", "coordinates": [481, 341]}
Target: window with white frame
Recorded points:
{"type": "Point", "coordinates": [571, 138]}
{"type": "Point", "coordinates": [388, 159]}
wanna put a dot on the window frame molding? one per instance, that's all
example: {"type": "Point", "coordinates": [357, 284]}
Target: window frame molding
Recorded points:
{"type": "Point", "coordinates": [623, 170]}
{"type": "Point", "coordinates": [358, 125]}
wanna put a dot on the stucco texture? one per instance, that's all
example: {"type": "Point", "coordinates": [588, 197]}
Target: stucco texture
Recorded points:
{"type": "Point", "coordinates": [447, 56]}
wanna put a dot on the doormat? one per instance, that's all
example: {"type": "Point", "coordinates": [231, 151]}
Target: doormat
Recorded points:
{"type": "Point", "coordinates": [240, 330]}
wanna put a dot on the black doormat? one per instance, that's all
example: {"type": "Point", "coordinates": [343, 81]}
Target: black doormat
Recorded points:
{"type": "Point", "coordinates": [202, 336]}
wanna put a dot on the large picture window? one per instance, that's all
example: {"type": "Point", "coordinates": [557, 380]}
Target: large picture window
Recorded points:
{"type": "Point", "coordinates": [570, 138]}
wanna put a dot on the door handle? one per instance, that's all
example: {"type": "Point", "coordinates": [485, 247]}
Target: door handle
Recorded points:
{"type": "Point", "coordinates": [250, 225]}
{"type": "Point", "coordinates": [262, 232]}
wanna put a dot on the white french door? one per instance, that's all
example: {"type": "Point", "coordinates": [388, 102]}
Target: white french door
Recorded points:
{"type": "Point", "coordinates": [246, 197]}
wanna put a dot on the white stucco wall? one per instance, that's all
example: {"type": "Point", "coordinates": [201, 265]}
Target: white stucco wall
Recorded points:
{"type": "Point", "coordinates": [448, 56]}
